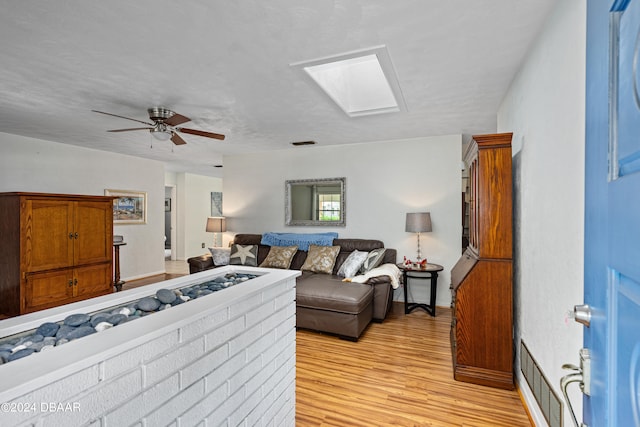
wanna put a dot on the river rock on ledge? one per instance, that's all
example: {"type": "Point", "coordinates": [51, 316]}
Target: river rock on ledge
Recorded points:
{"type": "Point", "coordinates": [99, 318]}
{"type": "Point", "coordinates": [48, 329]}
{"type": "Point", "coordinates": [77, 319]}
{"type": "Point", "coordinates": [116, 319]}
{"type": "Point", "coordinates": [149, 304]}
{"type": "Point", "coordinates": [78, 325]}
{"type": "Point", "coordinates": [20, 354]}
{"type": "Point", "coordinates": [166, 296]}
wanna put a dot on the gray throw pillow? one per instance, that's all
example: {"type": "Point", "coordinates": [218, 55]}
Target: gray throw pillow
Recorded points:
{"type": "Point", "coordinates": [352, 264]}
{"type": "Point", "coordinates": [374, 259]}
{"type": "Point", "coordinates": [244, 255]}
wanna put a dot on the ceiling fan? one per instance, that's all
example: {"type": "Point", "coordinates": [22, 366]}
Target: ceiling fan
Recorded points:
{"type": "Point", "coordinates": [165, 125]}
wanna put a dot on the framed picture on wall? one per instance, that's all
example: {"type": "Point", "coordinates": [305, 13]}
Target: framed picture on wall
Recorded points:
{"type": "Point", "coordinates": [216, 203]}
{"type": "Point", "coordinates": [130, 207]}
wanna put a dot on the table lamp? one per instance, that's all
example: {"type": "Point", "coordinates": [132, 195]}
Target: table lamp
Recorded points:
{"type": "Point", "coordinates": [216, 224]}
{"type": "Point", "coordinates": [418, 222]}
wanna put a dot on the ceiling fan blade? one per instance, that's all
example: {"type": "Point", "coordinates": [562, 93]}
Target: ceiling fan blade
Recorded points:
{"type": "Point", "coordinates": [175, 138]}
{"type": "Point", "coordinates": [201, 133]}
{"type": "Point", "coordinates": [127, 130]}
{"type": "Point", "coordinates": [177, 119]}
{"type": "Point", "coordinates": [122, 117]}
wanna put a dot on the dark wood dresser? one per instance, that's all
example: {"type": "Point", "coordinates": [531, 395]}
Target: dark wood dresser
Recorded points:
{"type": "Point", "coordinates": [482, 279]}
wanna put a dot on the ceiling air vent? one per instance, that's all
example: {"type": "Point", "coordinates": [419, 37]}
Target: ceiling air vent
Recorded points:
{"type": "Point", "coordinates": [299, 143]}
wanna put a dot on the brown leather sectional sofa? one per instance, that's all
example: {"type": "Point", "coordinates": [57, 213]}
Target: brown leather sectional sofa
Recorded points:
{"type": "Point", "coordinates": [324, 302]}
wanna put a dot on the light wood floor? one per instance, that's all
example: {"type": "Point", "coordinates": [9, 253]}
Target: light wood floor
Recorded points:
{"type": "Point", "coordinates": [397, 374]}
{"type": "Point", "coordinates": [172, 269]}
{"type": "Point", "coordinates": [176, 267]}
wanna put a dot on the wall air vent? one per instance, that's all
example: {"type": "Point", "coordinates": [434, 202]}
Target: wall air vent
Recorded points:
{"type": "Point", "coordinates": [547, 399]}
{"type": "Point", "coordinates": [299, 143]}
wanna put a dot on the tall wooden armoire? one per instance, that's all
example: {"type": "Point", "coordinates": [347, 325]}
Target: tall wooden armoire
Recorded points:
{"type": "Point", "coordinates": [54, 249]}
{"type": "Point", "coordinates": [482, 279]}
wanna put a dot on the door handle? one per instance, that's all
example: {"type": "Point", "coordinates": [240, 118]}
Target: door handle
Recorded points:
{"type": "Point", "coordinates": [581, 375]}
{"type": "Point", "coordinates": [564, 383]}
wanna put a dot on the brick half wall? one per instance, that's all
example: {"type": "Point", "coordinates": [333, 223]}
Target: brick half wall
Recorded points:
{"type": "Point", "coordinates": [224, 359]}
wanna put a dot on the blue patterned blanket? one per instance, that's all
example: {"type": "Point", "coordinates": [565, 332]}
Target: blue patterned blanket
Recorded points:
{"type": "Point", "coordinates": [302, 240]}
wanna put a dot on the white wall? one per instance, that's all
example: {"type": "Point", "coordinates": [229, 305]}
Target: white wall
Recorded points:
{"type": "Point", "coordinates": [193, 204]}
{"type": "Point", "coordinates": [384, 181]}
{"type": "Point", "coordinates": [35, 165]}
{"type": "Point", "coordinates": [545, 109]}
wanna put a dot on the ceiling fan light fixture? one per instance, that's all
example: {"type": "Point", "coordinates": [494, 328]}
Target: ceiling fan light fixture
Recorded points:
{"type": "Point", "coordinates": [165, 126]}
{"type": "Point", "coordinates": [161, 134]}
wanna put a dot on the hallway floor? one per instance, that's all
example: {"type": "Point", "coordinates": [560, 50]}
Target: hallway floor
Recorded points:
{"type": "Point", "coordinates": [172, 269]}
{"type": "Point", "coordinates": [176, 267]}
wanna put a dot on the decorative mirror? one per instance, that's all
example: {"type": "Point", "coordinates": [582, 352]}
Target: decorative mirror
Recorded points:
{"type": "Point", "coordinates": [315, 202]}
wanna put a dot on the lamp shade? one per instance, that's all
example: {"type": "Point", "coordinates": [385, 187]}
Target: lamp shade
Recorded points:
{"type": "Point", "coordinates": [418, 222]}
{"type": "Point", "coordinates": [216, 224]}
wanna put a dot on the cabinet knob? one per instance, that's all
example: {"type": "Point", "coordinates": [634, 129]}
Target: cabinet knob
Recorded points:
{"type": "Point", "coordinates": [70, 282]}
{"type": "Point", "coordinates": [71, 235]}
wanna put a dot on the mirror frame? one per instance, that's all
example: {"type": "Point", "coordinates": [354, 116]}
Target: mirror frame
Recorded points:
{"type": "Point", "coordinates": [321, 181]}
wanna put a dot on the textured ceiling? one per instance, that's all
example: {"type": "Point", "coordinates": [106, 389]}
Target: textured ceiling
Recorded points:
{"type": "Point", "coordinates": [226, 66]}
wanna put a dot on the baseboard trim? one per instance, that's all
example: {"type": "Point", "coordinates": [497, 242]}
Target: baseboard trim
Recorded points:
{"type": "Point", "coordinates": [529, 402]}
{"type": "Point", "coordinates": [144, 276]}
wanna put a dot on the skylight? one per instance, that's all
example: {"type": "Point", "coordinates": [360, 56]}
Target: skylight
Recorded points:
{"type": "Point", "coordinates": [361, 82]}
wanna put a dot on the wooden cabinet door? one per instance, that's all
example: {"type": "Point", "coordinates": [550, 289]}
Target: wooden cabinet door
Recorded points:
{"type": "Point", "coordinates": [494, 196]}
{"type": "Point", "coordinates": [92, 281]}
{"type": "Point", "coordinates": [47, 242]}
{"type": "Point", "coordinates": [94, 228]}
{"type": "Point", "coordinates": [49, 289]}
{"type": "Point", "coordinates": [60, 234]}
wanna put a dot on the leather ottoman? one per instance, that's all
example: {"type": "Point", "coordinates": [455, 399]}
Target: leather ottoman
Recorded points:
{"type": "Point", "coordinates": [334, 306]}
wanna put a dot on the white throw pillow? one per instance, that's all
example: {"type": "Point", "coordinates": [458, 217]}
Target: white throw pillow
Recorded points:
{"type": "Point", "coordinates": [220, 255]}
{"type": "Point", "coordinates": [352, 264]}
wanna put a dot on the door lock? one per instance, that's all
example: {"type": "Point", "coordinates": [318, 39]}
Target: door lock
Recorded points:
{"type": "Point", "coordinates": [582, 314]}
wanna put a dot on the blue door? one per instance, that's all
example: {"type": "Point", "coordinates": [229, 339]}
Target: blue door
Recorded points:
{"type": "Point", "coordinates": [612, 212]}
